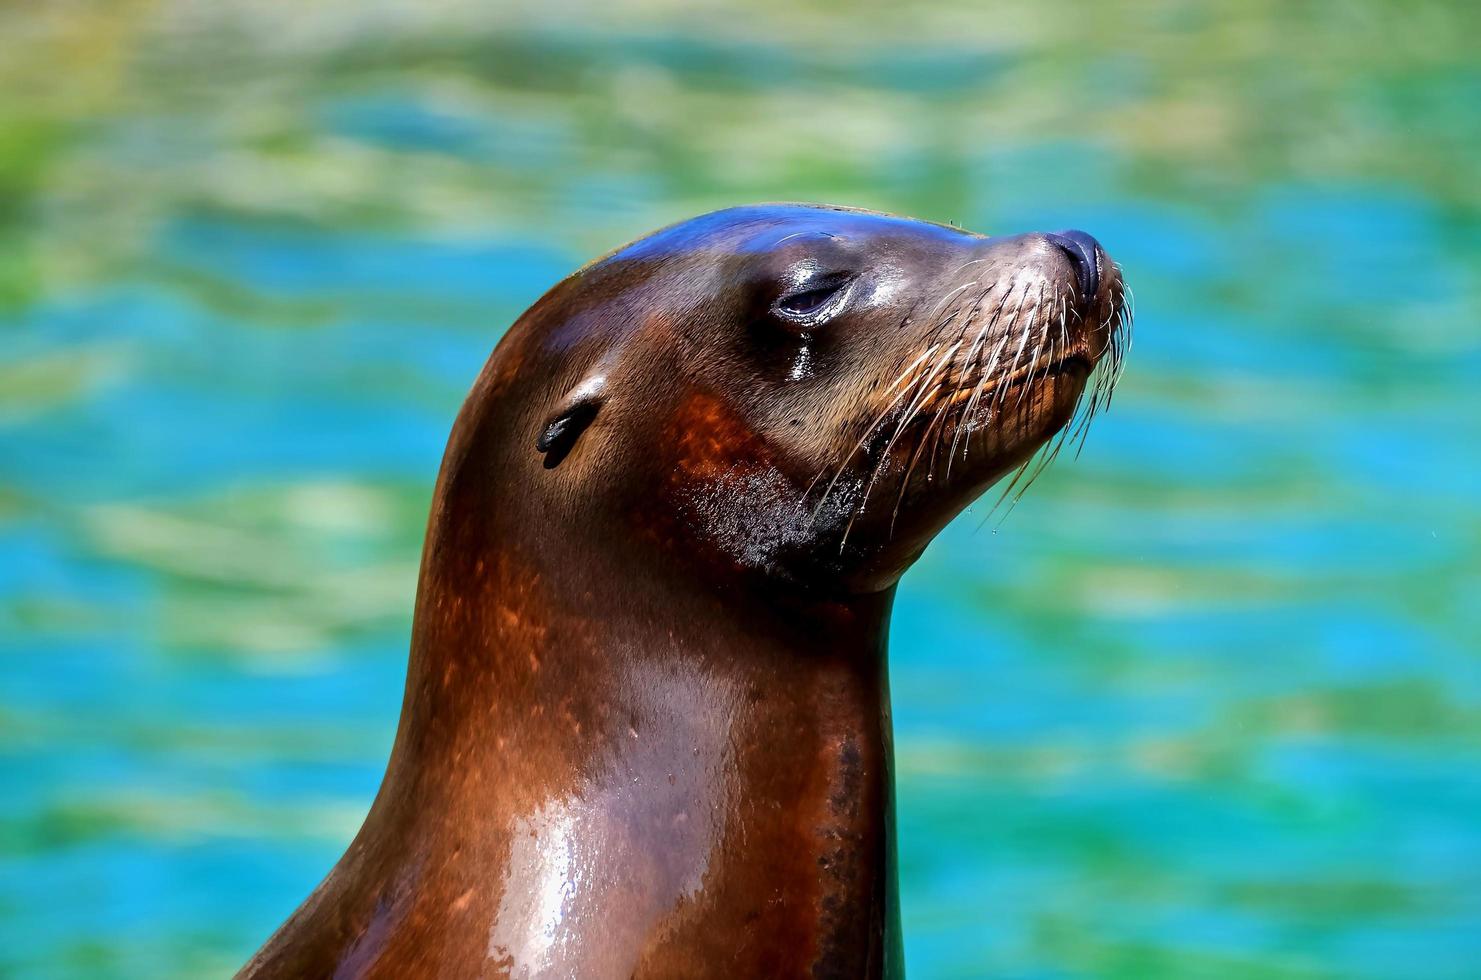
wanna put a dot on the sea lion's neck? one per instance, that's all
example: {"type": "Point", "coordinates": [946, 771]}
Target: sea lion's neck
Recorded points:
{"type": "Point", "coordinates": [601, 760]}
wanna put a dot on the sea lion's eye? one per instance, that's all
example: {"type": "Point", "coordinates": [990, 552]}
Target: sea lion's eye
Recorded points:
{"type": "Point", "coordinates": [816, 302]}
{"type": "Point", "coordinates": [801, 304]}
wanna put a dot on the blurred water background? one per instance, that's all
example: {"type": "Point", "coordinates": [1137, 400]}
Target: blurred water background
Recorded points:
{"type": "Point", "coordinates": [1207, 705]}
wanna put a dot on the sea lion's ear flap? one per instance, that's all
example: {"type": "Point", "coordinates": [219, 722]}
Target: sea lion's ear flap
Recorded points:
{"type": "Point", "coordinates": [563, 428]}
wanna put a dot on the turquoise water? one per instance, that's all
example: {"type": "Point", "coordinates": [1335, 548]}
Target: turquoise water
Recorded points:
{"type": "Point", "coordinates": [1206, 704]}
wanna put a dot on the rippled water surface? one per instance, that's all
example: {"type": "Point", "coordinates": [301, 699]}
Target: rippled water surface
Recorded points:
{"type": "Point", "coordinates": [1207, 704]}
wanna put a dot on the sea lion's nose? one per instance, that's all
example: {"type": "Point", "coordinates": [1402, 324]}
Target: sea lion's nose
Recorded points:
{"type": "Point", "coordinates": [1085, 252]}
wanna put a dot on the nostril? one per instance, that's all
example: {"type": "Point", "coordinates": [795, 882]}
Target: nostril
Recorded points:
{"type": "Point", "coordinates": [1085, 252]}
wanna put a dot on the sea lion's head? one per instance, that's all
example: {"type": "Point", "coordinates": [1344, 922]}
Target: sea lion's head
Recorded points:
{"type": "Point", "coordinates": [805, 393]}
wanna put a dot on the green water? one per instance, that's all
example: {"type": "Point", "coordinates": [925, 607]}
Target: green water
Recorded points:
{"type": "Point", "coordinates": [1207, 704]}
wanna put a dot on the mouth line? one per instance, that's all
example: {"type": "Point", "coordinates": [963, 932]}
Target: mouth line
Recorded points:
{"type": "Point", "coordinates": [1042, 368]}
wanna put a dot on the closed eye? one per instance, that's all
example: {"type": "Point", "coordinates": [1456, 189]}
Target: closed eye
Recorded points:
{"type": "Point", "coordinates": [809, 304]}
{"type": "Point", "coordinates": [801, 304]}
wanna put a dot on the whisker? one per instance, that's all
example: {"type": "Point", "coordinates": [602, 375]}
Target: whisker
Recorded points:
{"type": "Point", "coordinates": [884, 455]}
{"type": "Point", "coordinates": [981, 377]}
{"type": "Point", "coordinates": [1038, 348]}
{"type": "Point", "coordinates": [869, 432]}
{"type": "Point", "coordinates": [909, 470]}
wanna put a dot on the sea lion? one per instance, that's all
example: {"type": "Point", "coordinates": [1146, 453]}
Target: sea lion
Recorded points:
{"type": "Point", "coordinates": [646, 728]}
